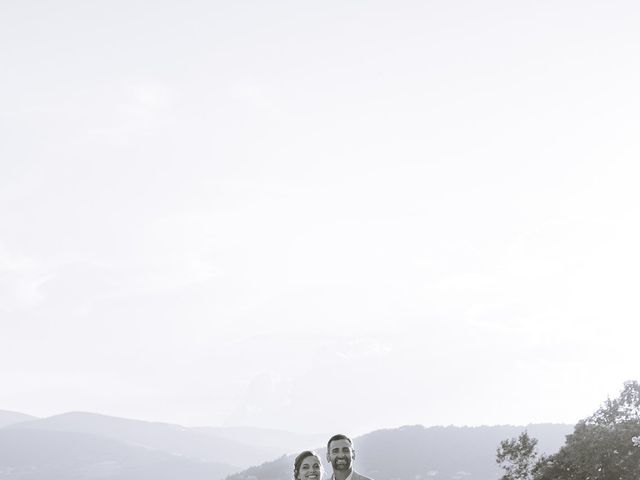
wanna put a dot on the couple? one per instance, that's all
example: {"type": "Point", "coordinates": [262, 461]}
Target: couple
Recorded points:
{"type": "Point", "coordinates": [340, 454]}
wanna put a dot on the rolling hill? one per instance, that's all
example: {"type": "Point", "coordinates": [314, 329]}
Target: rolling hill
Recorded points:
{"type": "Point", "coordinates": [169, 438]}
{"type": "Point", "coordinates": [416, 453]}
{"type": "Point", "coordinates": [31, 454]}
{"type": "Point", "coordinates": [11, 418]}
{"type": "Point", "coordinates": [78, 445]}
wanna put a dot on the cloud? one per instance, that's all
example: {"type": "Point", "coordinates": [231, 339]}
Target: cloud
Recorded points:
{"type": "Point", "coordinates": [360, 348]}
{"type": "Point", "coordinates": [142, 107]}
{"type": "Point", "coordinates": [21, 279]}
{"type": "Point", "coordinates": [564, 274]}
{"type": "Point", "coordinates": [267, 394]}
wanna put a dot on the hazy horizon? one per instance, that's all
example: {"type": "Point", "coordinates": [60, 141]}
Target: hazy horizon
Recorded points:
{"type": "Point", "coordinates": [354, 434]}
{"type": "Point", "coordinates": [334, 216]}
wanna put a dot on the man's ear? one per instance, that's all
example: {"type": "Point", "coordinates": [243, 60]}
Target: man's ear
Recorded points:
{"type": "Point", "coordinates": [353, 454]}
{"type": "Point", "coordinates": [328, 456]}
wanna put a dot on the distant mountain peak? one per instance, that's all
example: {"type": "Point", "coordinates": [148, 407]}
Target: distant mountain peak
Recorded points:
{"type": "Point", "coordinates": [8, 417]}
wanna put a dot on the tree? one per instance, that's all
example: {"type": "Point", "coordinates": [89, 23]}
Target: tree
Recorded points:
{"type": "Point", "coordinates": [518, 457]}
{"type": "Point", "coordinates": [602, 446]}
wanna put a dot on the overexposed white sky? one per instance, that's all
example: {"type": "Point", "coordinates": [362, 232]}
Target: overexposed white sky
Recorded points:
{"type": "Point", "coordinates": [319, 216]}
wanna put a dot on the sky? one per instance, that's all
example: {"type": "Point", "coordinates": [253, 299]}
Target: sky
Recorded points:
{"type": "Point", "coordinates": [319, 216]}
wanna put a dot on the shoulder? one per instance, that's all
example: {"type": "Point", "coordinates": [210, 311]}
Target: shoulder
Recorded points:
{"type": "Point", "coordinates": [357, 476]}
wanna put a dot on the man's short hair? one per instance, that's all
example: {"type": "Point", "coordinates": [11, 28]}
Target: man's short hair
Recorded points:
{"type": "Point", "coordinates": [339, 436]}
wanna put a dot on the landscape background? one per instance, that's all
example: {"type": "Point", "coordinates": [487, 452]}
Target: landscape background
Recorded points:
{"type": "Point", "coordinates": [80, 445]}
{"type": "Point", "coordinates": [254, 217]}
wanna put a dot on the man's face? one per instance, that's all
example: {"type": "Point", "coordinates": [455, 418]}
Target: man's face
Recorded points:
{"type": "Point", "coordinates": [341, 455]}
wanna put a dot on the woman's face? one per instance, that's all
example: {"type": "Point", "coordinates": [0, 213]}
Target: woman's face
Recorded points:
{"type": "Point", "coordinates": [310, 469]}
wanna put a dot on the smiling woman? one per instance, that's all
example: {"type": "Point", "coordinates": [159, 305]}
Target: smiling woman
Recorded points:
{"type": "Point", "coordinates": [307, 466]}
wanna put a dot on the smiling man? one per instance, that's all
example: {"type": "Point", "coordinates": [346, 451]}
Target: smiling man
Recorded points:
{"type": "Point", "coordinates": [341, 455]}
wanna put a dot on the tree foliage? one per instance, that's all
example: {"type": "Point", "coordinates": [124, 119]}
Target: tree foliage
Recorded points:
{"type": "Point", "coordinates": [603, 446]}
{"type": "Point", "coordinates": [623, 410]}
{"type": "Point", "coordinates": [518, 457]}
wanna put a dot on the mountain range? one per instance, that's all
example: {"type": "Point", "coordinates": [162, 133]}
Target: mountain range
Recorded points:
{"type": "Point", "coordinates": [420, 453]}
{"type": "Point", "coordinates": [80, 445]}
{"type": "Point", "coordinates": [29, 454]}
{"type": "Point", "coordinates": [10, 418]}
{"type": "Point", "coordinates": [88, 445]}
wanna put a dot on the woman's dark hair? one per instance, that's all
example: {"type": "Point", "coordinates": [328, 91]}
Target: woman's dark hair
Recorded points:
{"type": "Point", "coordinates": [299, 459]}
